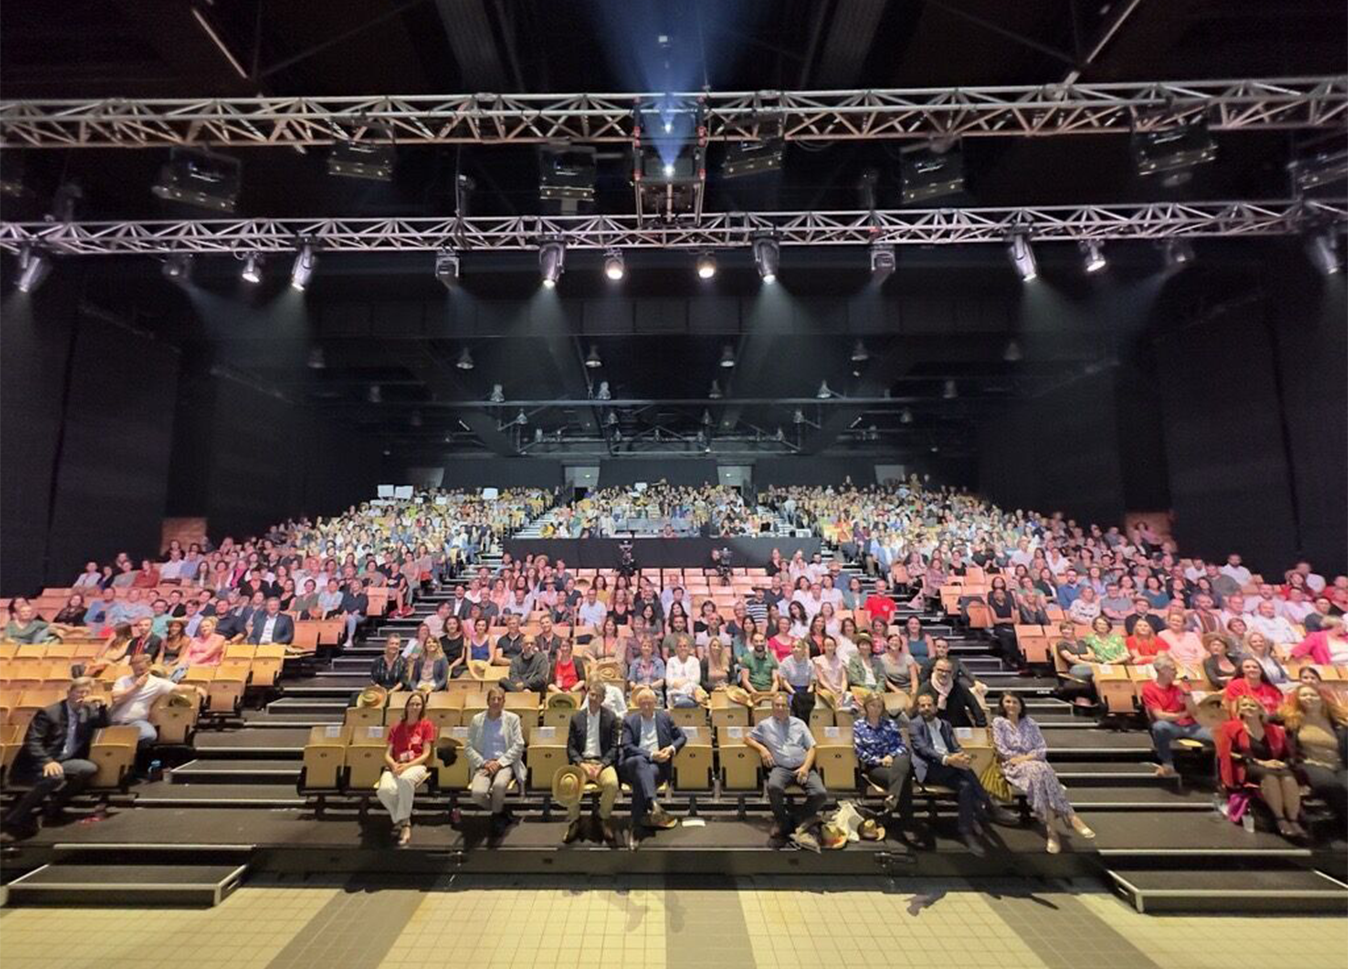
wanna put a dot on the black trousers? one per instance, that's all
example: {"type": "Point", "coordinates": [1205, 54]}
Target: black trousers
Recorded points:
{"type": "Point", "coordinates": [1007, 647]}
{"type": "Point", "coordinates": [897, 779]}
{"type": "Point", "coordinates": [1330, 785]}
{"type": "Point", "coordinates": [973, 800]}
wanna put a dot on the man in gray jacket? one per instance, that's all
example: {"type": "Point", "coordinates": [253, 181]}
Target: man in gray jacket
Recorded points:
{"type": "Point", "coordinates": [496, 756]}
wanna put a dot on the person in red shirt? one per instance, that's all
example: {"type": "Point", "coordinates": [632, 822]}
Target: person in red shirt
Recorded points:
{"type": "Point", "coordinates": [1171, 712]}
{"type": "Point", "coordinates": [783, 643]}
{"type": "Point", "coordinates": [1252, 756]}
{"type": "Point", "coordinates": [878, 604]}
{"type": "Point", "coordinates": [410, 744]}
{"type": "Point", "coordinates": [1252, 682]}
{"type": "Point", "coordinates": [1143, 644]}
{"type": "Point", "coordinates": [568, 672]}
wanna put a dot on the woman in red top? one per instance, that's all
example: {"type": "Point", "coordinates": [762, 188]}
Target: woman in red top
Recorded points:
{"type": "Point", "coordinates": [568, 672]}
{"type": "Point", "coordinates": [782, 644]}
{"type": "Point", "coordinates": [1252, 757]}
{"type": "Point", "coordinates": [410, 744]}
{"type": "Point", "coordinates": [1143, 644]}
{"type": "Point", "coordinates": [1251, 682]}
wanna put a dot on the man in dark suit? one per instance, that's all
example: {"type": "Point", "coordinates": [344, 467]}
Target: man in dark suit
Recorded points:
{"type": "Point", "coordinates": [54, 756]}
{"type": "Point", "coordinates": [271, 625]}
{"type": "Point", "coordinates": [651, 738]}
{"type": "Point", "coordinates": [939, 759]}
{"type": "Point", "coordinates": [592, 743]}
{"type": "Point", "coordinates": [143, 640]}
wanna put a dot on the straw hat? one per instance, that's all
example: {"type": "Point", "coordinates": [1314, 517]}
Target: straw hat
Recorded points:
{"type": "Point", "coordinates": [608, 672]}
{"type": "Point", "coordinates": [827, 696]}
{"type": "Point", "coordinates": [832, 837]}
{"type": "Point", "coordinates": [179, 700]}
{"type": "Point", "coordinates": [479, 669]}
{"type": "Point", "coordinates": [737, 694]}
{"type": "Point", "coordinates": [372, 697]}
{"type": "Point", "coordinates": [871, 831]}
{"type": "Point", "coordinates": [568, 785]}
{"type": "Point", "coordinates": [557, 701]}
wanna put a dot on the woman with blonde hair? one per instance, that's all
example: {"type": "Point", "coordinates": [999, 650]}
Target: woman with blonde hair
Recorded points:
{"type": "Point", "coordinates": [1252, 758]}
{"type": "Point", "coordinates": [1317, 733]}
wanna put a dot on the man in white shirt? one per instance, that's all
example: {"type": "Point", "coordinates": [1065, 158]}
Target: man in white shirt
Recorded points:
{"type": "Point", "coordinates": [1237, 571]}
{"type": "Point", "coordinates": [1314, 581]}
{"type": "Point", "coordinates": [592, 744]}
{"type": "Point", "coordinates": [592, 611]}
{"type": "Point", "coordinates": [1267, 621]}
{"type": "Point", "coordinates": [683, 676]}
{"type": "Point", "coordinates": [135, 694]}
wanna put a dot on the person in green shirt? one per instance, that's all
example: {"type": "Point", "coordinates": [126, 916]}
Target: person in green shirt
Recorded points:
{"type": "Point", "coordinates": [26, 628]}
{"type": "Point", "coordinates": [1107, 645]}
{"type": "Point", "coordinates": [759, 672]}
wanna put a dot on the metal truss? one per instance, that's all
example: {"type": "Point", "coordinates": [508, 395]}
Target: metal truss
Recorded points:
{"type": "Point", "coordinates": [1230, 105]}
{"type": "Point", "coordinates": [719, 230]}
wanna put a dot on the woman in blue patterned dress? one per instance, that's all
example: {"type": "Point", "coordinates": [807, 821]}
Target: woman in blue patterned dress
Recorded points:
{"type": "Point", "coordinates": [1023, 755]}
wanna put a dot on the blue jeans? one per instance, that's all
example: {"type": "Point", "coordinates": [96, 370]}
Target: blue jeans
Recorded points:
{"type": "Point", "coordinates": [1166, 732]}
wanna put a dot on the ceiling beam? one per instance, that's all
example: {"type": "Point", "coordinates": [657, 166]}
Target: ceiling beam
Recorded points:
{"type": "Point", "coordinates": [438, 376]}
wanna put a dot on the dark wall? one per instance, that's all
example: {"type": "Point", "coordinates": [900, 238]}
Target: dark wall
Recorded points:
{"type": "Point", "coordinates": [626, 471]}
{"type": "Point", "coordinates": [503, 473]}
{"type": "Point", "coordinates": [814, 471]}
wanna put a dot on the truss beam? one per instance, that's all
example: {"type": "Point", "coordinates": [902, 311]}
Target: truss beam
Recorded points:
{"type": "Point", "coordinates": [724, 230]}
{"type": "Point", "coordinates": [1230, 105]}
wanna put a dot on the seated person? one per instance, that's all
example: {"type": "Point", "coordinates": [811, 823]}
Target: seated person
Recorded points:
{"type": "Point", "coordinates": [884, 758]}
{"type": "Point", "coordinates": [528, 670]}
{"type": "Point", "coordinates": [495, 752]}
{"type": "Point", "coordinates": [134, 695]}
{"type": "Point", "coordinates": [758, 670]}
{"type": "Point", "coordinates": [1252, 682]}
{"type": "Point", "coordinates": [27, 628]}
{"type": "Point", "coordinates": [143, 640]}
{"type": "Point", "coordinates": [206, 648]}
{"type": "Point", "coordinates": [683, 675]}
{"type": "Point", "coordinates": [54, 757]}
{"type": "Point", "coordinates": [509, 644]}
{"type": "Point", "coordinates": [1170, 709]}
{"type": "Point", "coordinates": [567, 674]}
{"type": "Point", "coordinates": [1143, 644]}
{"type": "Point", "coordinates": [1219, 666]}
{"type": "Point", "coordinates": [796, 674]}
{"type": "Point", "coordinates": [939, 759]}
{"type": "Point", "coordinates": [1252, 757]}
{"type": "Point", "coordinates": [953, 703]}
{"type": "Point", "coordinates": [650, 739]}
{"type": "Point", "coordinates": [940, 649]}
{"type": "Point", "coordinates": [719, 668]}
{"type": "Point", "coordinates": [410, 744]}
{"type": "Point", "coordinates": [1185, 648]}
{"type": "Point", "coordinates": [478, 646]}
{"type": "Point", "coordinates": [1106, 644]}
{"type": "Point", "coordinates": [863, 670]}
{"type": "Point", "coordinates": [787, 749]}
{"type": "Point", "coordinates": [648, 670]}
{"type": "Point", "coordinates": [592, 743]}
{"type": "Point", "coordinates": [429, 672]}
{"type": "Point", "coordinates": [390, 669]}
{"type": "Point", "coordinates": [271, 625]}
{"type": "Point", "coordinates": [1317, 732]}
{"type": "Point", "coordinates": [547, 640]}
{"type": "Point", "coordinates": [1023, 755]}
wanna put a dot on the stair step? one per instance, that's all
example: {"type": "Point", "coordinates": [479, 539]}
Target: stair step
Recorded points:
{"type": "Point", "coordinates": [174, 886]}
{"type": "Point", "coordinates": [1154, 797]}
{"type": "Point", "coordinates": [310, 706]}
{"type": "Point", "coordinates": [218, 770]}
{"type": "Point", "coordinates": [1238, 892]}
{"type": "Point", "coordinates": [165, 794]}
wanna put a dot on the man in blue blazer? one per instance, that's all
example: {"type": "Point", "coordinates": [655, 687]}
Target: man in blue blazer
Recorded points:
{"type": "Point", "coordinates": [271, 625]}
{"type": "Point", "coordinates": [651, 738]}
{"type": "Point", "coordinates": [939, 759]}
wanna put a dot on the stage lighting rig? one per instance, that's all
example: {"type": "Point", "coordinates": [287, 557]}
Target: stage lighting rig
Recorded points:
{"type": "Point", "coordinates": [756, 157]}
{"type": "Point", "coordinates": [1173, 150]}
{"type": "Point", "coordinates": [447, 268]}
{"type": "Point", "coordinates": [465, 361]}
{"type": "Point", "coordinates": [177, 268]}
{"type": "Point", "coordinates": [302, 271]}
{"type": "Point", "coordinates": [201, 179]}
{"type": "Point", "coordinates": [767, 257]}
{"type": "Point", "coordinates": [882, 262]}
{"type": "Point", "coordinates": [1178, 252]}
{"type": "Point", "coordinates": [931, 172]}
{"type": "Point", "coordinates": [706, 265]}
{"type": "Point", "coordinates": [567, 174]}
{"type": "Point", "coordinates": [615, 267]}
{"type": "Point", "coordinates": [1093, 255]}
{"type": "Point", "coordinates": [252, 268]}
{"type": "Point", "coordinates": [33, 269]}
{"type": "Point", "coordinates": [1320, 249]}
{"type": "Point", "coordinates": [727, 356]}
{"type": "Point", "coordinates": [552, 261]}
{"type": "Point", "coordinates": [669, 157]}
{"type": "Point", "coordinates": [371, 160]}
{"type": "Point", "coordinates": [1022, 256]}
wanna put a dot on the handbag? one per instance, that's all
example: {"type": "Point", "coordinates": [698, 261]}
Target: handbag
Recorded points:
{"type": "Point", "coordinates": [994, 782]}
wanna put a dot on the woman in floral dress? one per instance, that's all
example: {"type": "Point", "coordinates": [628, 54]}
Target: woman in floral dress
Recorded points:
{"type": "Point", "coordinates": [1023, 755]}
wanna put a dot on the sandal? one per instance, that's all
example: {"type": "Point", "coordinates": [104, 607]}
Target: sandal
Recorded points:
{"type": "Point", "coordinates": [1080, 827]}
{"type": "Point", "coordinates": [1054, 846]}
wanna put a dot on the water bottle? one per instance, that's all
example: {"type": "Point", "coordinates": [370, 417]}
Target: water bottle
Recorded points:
{"type": "Point", "coordinates": [156, 769]}
{"type": "Point", "coordinates": [1247, 822]}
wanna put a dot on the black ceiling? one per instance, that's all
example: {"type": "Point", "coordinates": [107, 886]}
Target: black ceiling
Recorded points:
{"type": "Point", "coordinates": [298, 47]}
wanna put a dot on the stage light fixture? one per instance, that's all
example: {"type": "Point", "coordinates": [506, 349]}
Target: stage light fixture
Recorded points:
{"type": "Point", "coordinates": [706, 265]}
{"type": "Point", "coordinates": [614, 265]}
{"type": "Point", "coordinates": [592, 359]}
{"type": "Point", "coordinates": [905, 416]}
{"type": "Point", "coordinates": [465, 361]}
{"type": "Point", "coordinates": [33, 269]}
{"type": "Point", "coordinates": [824, 392]}
{"type": "Point", "coordinates": [538, 435]}
{"type": "Point", "coordinates": [882, 261]}
{"type": "Point", "coordinates": [612, 419]}
{"type": "Point", "coordinates": [707, 419]}
{"type": "Point", "coordinates": [1093, 254]}
{"type": "Point", "coordinates": [252, 268]}
{"type": "Point", "coordinates": [756, 157]}
{"type": "Point", "coordinates": [447, 268]}
{"type": "Point", "coordinates": [727, 356]}
{"type": "Point", "coordinates": [371, 160]}
{"type": "Point", "coordinates": [567, 174]}
{"type": "Point", "coordinates": [715, 392]}
{"type": "Point", "coordinates": [317, 359]}
{"type": "Point", "coordinates": [1321, 251]}
{"type": "Point", "coordinates": [859, 353]}
{"type": "Point", "coordinates": [1321, 173]}
{"type": "Point", "coordinates": [603, 393]}
{"type": "Point", "coordinates": [521, 418]}
{"type": "Point", "coordinates": [497, 395]}
{"type": "Point", "coordinates": [302, 272]}
{"type": "Point", "coordinates": [201, 179]}
{"type": "Point", "coordinates": [951, 390]}
{"type": "Point", "coordinates": [375, 395]}
{"type": "Point", "coordinates": [1013, 352]}
{"type": "Point", "coordinates": [177, 267]}
{"type": "Point", "coordinates": [1178, 253]}
{"type": "Point", "coordinates": [781, 434]}
{"type": "Point", "coordinates": [1174, 150]}
{"type": "Point", "coordinates": [798, 416]}
{"type": "Point", "coordinates": [928, 172]}
{"type": "Point", "coordinates": [1022, 256]}
{"type": "Point", "coordinates": [935, 449]}
{"type": "Point", "coordinates": [766, 257]}
{"type": "Point", "coordinates": [552, 261]}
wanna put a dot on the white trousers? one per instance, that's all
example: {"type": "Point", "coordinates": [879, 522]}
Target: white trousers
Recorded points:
{"type": "Point", "coordinates": [396, 793]}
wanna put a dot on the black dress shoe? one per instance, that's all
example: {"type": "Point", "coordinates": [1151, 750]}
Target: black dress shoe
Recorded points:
{"type": "Point", "coordinates": [974, 845]}
{"type": "Point", "coordinates": [610, 833]}
{"type": "Point", "coordinates": [572, 832]}
{"type": "Point", "coordinates": [1000, 815]}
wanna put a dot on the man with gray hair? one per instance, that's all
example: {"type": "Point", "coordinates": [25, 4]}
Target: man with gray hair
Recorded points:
{"type": "Point", "coordinates": [1170, 709]}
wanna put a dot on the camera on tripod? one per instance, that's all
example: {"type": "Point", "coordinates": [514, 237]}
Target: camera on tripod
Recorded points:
{"type": "Point", "coordinates": [627, 558]}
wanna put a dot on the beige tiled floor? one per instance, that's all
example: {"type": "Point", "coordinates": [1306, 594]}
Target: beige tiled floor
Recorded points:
{"type": "Point", "coordinates": [647, 925]}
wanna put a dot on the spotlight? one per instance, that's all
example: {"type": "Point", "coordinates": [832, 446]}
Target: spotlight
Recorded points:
{"type": "Point", "coordinates": [706, 265]}
{"type": "Point", "coordinates": [905, 416]}
{"type": "Point", "coordinates": [1094, 255]}
{"type": "Point", "coordinates": [1022, 256]}
{"type": "Point", "coordinates": [727, 356]}
{"type": "Point", "coordinates": [592, 359]}
{"type": "Point", "coordinates": [951, 391]}
{"type": "Point", "coordinates": [447, 268]}
{"type": "Point", "coordinates": [766, 256]}
{"type": "Point", "coordinates": [521, 418]}
{"type": "Point", "coordinates": [1174, 151]}
{"type": "Point", "coordinates": [859, 353]}
{"type": "Point", "coordinates": [317, 359]}
{"type": "Point", "coordinates": [497, 394]}
{"type": "Point", "coordinates": [824, 392]}
{"type": "Point", "coordinates": [33, 269]}
{"type": "Point", "coordinates": [614, 267]}
{"type": "Point", "coordinates": [798, 417]}
{"type": "Point", "coordinates": [252, 268]}
{"type": "Point", "coordinates": [177, 267]}
{"type": "Point", "coordinates": [465, 361]}
{"type": "Point", "coordinates": [200, 179]}
{"type": "Point", "coordinates": [612, 419]}
{"type": "Point", "coordinates": [538, 435]}
{"type": "Point", "coordinates": [303, 269]}
{"type": "Point", "coordinates": [1013, 353]}
{"type": "Point", "coordinates": [928, 173]}
{"type": "Point", "coordinates": [1178, 252]}
{"type": "Point", "coordinates": [567, 174]}
{"type": "Point", "coordinates": [715, 392]}
{"type": "Point", "coordinates": [935, 449]}
{"type": "Point", "coordinates": [552, 261]}
{"type": "Point", "coordinates": [1321, 252]}
{"type": "Point", "coordinates": [375, 395]}
{"type": "Point", "coordinates": [882, 261]}
{"type": "Point", "coordinates": [603, 393]}
{"type": "Point", "coordinates": [362, 159]}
